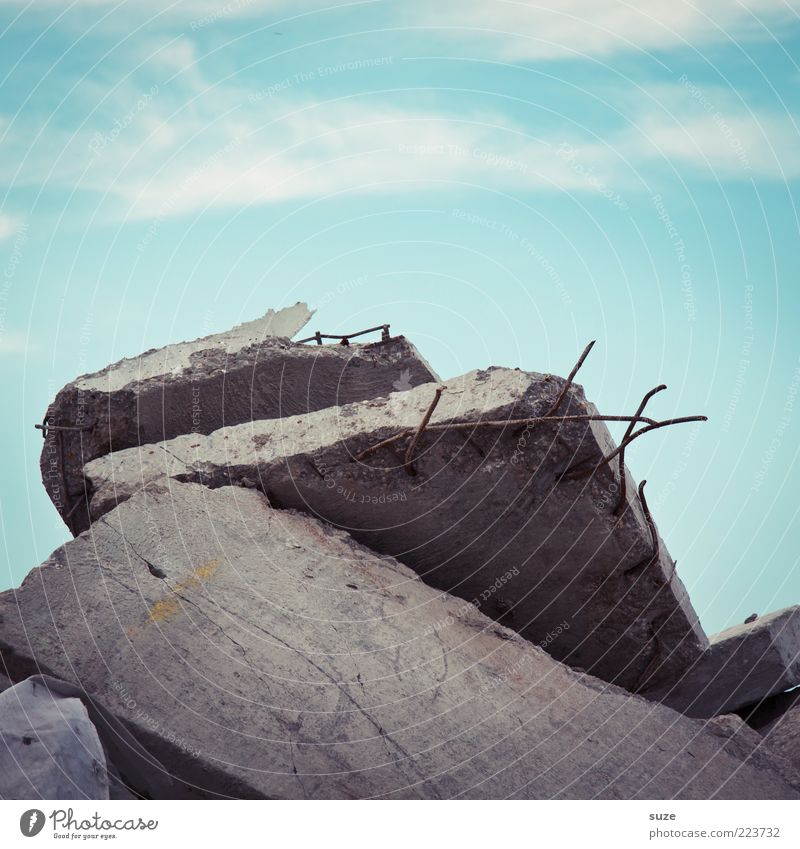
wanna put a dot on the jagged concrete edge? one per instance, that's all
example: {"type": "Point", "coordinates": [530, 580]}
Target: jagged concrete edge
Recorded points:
{"type": "Point", "coordinates": [101, 380]}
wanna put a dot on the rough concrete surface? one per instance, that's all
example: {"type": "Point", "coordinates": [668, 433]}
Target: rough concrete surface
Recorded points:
{"type": "Point", "coordinates": [742, 666]}
{"type": "Point", "coordinates": [198, 387]}
{"type": "Point", "coordinates": [263, 653]}
{"type": "Point", "coordinates": [765, 714]}
{"type": "Point", "coordinates": [747, 743]}
{"type": "Point", "coordinates": [784, 737]}
{"type": "Point", "coordinates": [484, 517]}
{"type": "Point", "coordinates": [49, 748]}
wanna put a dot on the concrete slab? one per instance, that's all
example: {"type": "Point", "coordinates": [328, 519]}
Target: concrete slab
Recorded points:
{"type": "Point", "coordinates": [742, 666]}
{"type": "Point", "coordinates": [200, 386]}
{"type": "Point", "coordinates": [49, 748]}
{"type": "Point", "coordinates": [784, 737]}
{"type": "Point", "coordinates": [766, 713]}
{"type": "Point", "coordinates": [275, 657]}
{"type": "Point", "coordinates": [486, 515]}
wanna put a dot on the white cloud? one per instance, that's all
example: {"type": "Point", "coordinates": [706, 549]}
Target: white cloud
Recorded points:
{"type": "Point", "coordinates": [513, 30]}
{"type": "Point", "coordinates": [328, 149]}
{"type": "Point", "coordinates": [8, 226]}
{"type": "Point", "coordinates": [13, 344]}
{"type": "Point", "coordinates": [192, 145]}
{"type": "Point", "coordinates": [733, 147]}
{"type": "Point", "coordinates": [714, 131]}
{"type": "Point", "coordinates": [175, 152]}
{"type": "Point", "coordinates": [519, 30]}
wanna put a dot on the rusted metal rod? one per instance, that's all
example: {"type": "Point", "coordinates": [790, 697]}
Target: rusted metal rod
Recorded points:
{"type": "Point", "coordinates": [44, 427]}
{"type": "Point", "coordinates": [318, 337]}
{"type": "Point", "coordinates": [623, 494]}
{"type": "Point", "coordinates": [571, 377]}
{"type": "Point", "coordinates": [421, 429]}
{"type": "Point", "coordinates": [650, 523]}
{"type": "Point", "coordinates": [505, 423]}
{"type": "Point", "coordinates": [577, 472]}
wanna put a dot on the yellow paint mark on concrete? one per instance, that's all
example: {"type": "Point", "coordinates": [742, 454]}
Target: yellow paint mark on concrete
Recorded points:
{"type": "Point", "coordinates": [163, 609]}
{"type": "Point", "coordinates": [206, 570]}
{"type": "Point", "coordinates": [169, 604]}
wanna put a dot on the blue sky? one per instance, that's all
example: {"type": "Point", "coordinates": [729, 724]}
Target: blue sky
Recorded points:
{"type": "Point", "coordinates": [501, 181]}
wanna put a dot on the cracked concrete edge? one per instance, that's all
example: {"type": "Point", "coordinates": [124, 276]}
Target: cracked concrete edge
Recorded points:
{"type": "Point", "coordinates": [743, 667]}
{"type": "Point", "coordinates": [399, 410]}
{"type": "Point", "coordinates": [283, 323]}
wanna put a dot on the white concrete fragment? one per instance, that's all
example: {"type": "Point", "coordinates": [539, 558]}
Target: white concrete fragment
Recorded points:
{"type": "Point", "coordinates": [176, 358]}
{"type": "Point", "coordinates": [49, 748]}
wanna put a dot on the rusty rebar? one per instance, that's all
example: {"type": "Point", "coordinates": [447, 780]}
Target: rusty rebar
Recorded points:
{"type": "Point", "coordinates": [571, 377]}
{"type": "Point", "coordinates": [421, 429]}
{"type": "Point", "coordinates": [345, 338]}
{"type": "Point", "coordinates": [503, 423]}
{"type": "Point", "coordinates": [44, 427]}
{"type": "Point", "coordinates": [578, 471]}
{"type": "Point", "coordinates": [650, 523]}
{"type": "Point", "coordinates": [623, 494]}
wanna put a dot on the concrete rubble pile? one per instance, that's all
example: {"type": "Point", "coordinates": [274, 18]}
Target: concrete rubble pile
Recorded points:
{"type": "Point", "coordinates": [248, 373]}
{"type": "Point", "coordinates": [341, 580]}
{"type": "Point", "coordinates": [482, 517]}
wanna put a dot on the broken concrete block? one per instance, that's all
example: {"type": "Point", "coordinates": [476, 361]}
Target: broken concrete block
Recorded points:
{"type": "Point", "coordinates": [485, 516]}
{"type": "Point", "coordinates": [250, 372]}
{"type": "Point", "coordinates": [749, 745]}
{"type": "Point", "coordinates": [784, 737]}
{"type": "Point", "coordinates": [49, 748]}
{"type": "Point", "coordinates": [278, 658]}
{"type": "Point", "coordinates": [741, 666]}
{"type": "Point", "coordinates": [765, 714]}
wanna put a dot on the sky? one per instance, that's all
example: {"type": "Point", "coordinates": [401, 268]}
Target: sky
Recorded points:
{"type": "Point", "coordinates": [500, 181]}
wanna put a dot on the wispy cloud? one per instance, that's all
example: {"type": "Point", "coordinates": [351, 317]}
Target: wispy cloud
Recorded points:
{"type": "Point", "coordinates": [162, 153]}
{"type": "Point", "coordinates": [514, 30]}
{"type": "Point", "coordinates": [168, 153]}
{"type": "Point", "coordinates": [519, 30]}
{"type": "Point", "coordinates": [8, 226]}
{"type": "Point", "coordinates": [13, 344]}
{"type": "Point", "coordinates": [714, 131]}
{"type": "Point", "coordinates": [193, 144]}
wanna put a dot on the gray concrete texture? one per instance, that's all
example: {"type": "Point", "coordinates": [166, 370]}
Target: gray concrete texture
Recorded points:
{"type": "Point", "coordinates": [485, 516]}
{"type": "Point", "coordinates": [49, 748]}
{"type": "Point", "coordinates": [262, 653]}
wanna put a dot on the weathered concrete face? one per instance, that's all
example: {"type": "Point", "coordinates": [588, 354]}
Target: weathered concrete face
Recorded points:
{"type": "Point", "coordinates": [198, 387]}
{"type": "Point", "coordinates": [49, 748]}
{"type": "Point", "coordinates": [279, 658]}
{"type": "Point", "coordinates": [768, 712]}
{"type": "Point", "coordinates": [742, 665]}
{"type": "Point", "coordinates": [746, 743]}
{"type": "Point", "coordinates": [484, 517]}
{"type": "Point", "coordinates": [784, 737]}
